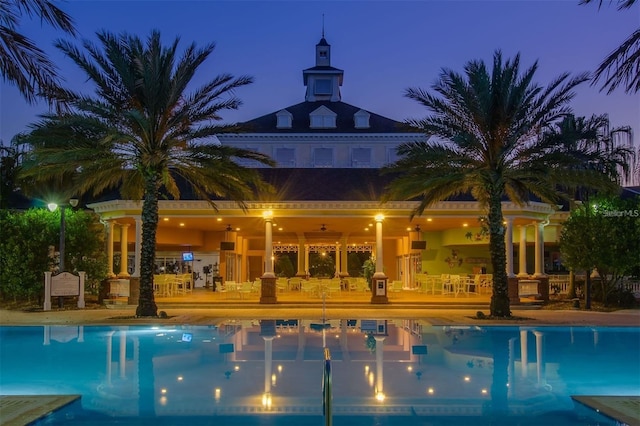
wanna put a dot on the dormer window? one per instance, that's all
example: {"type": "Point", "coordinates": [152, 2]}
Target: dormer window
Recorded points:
{"type": "Point", "coordinates": [322, 118]}
{"type": "Point", "coordinates": [361, 119]}
{"type": "Point", "coordinates": [284, 119]}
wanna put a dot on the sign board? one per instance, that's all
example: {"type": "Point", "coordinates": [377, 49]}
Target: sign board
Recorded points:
{"type": "Point", "coordinates": [65, 284]}
{"type": "Point", "coordinates": [380, 288]}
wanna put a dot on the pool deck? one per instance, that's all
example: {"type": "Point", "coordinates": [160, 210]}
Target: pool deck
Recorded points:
{"type": "Point", "coordinates": [194, 314]}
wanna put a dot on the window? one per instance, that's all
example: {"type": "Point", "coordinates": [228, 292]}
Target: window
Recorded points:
{"type": "Point", "coordinates": [323, 157]}
{"type": "Point", "coordinates": [361, 157]}
{"type": "Point", "coordinates": [361, 119]}
{"type": "Point", "coordinates": [392, 155]}
{"type": "Point", "coordinates": [322, 118]}
{"type": "Point", "coordinates": [322, 87]}
{"type": "Point", "coordinates": [284, 119]}
{"type": "Point", "coordinates": [285, 157]}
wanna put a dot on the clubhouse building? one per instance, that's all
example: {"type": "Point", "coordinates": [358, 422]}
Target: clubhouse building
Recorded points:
{"type": "Point", "coordinates": [328, 185]}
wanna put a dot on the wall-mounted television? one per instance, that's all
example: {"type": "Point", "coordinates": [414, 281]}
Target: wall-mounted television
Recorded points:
{"type": "Point", "coordinates": [227, 245]}
{"type": "Point", "coordinates": [418, 245]}
{"type": "Point", "coordinates": [187, 256]}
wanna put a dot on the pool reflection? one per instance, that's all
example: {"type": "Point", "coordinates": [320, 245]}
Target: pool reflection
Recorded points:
{"type": "Point", "coordinates": [379, 367]}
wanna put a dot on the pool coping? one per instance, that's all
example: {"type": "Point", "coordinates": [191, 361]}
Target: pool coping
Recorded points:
{"type": "Point", "coordinates": [623, 409]}
{"type": "Point", "coordinates": [20, 410]}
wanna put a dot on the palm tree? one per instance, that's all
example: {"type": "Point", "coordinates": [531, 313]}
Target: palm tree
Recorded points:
{"type": "Point", "coordinates": [21, 61]}
{"type": "Point", "coordinates": [488, 126]}
{"type": "Point", "coordinates": [622, 66]}
{"type": "Point", "coordinates": [142, 132]}
{"type": "Point", "coordinates": [591, 143]}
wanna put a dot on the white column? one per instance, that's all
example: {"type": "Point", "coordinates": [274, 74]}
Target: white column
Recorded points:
{"type": "Point", "coordinates": [337, 260]}
{"type": "Point", "coordinates": [268, 246]}
{"type": "Point", "coordinates": [522, 252]}
{"type": "Point", "coordinates": [138, 247]}
{"type": "Point", "coordinates": [110, 230]}
{"type": "Point", "coordinates": [379, 263]}
{"type": "Point", "coordinates": [509, 246]}
{"type": "Point", "coordinates": [124, 251]}
{"type": "Point", "coordinates": [524, 358]}
{"type": "Point", "coordinates": [344, 258]}
{"type": "Point", "coordinates": [122, 360]}
{"type": "Point", "coordinates": [379, 365]}
{"type": "Point", "coordinates": [268, 361]}
{"type": "Point", "coordinates": [540, 365]}
{"type": "Point", "coordinates": [109, 352]}
{"type": "Point", "coordinates": [539, 253]}
{"type": "Point", "coordinates": [306, 259]}
{"type": "Point", "coordinates": [301, 258]}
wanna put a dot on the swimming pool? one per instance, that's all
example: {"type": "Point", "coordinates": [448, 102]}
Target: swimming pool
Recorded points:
{"type": "Point", "coordinates": [270, 372]}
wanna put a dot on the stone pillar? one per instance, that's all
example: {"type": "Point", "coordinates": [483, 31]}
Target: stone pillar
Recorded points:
{"type": "Point", "coordinates": [124, 251]}
{"type": "Point", "coordinates": [380, 281]}
{"type": "Point", "coordinates": [138, 247]}
{"type": "Point", "coordinates": [539, 271]}
{"type": "Point", "coordinates": [337, 262]}
{"type": "Point", "coordinates": [509, 246]}
{"type": "Point", "coordinates": [268, 293]}
{"type": "Point", "coordinates": [522, 252]}
{"type": "Point", "coordinates": [110, 229]}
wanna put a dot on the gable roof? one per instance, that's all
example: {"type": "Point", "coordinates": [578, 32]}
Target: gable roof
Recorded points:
{"type": "Point", "coordinates": [344, 120]}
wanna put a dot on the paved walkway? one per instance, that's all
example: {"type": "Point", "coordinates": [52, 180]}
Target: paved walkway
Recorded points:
{"type": "Point", "coordinates": [203, 315]}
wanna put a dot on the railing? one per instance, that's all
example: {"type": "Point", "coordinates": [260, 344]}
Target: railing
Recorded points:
{"type": "Point", "coordinates": [561, 284]}
{"type": "Point", "coordinates": [326, 388]}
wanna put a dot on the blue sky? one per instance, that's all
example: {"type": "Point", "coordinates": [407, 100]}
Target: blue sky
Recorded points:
{"type": "Point", "coordinates": [384, 47]}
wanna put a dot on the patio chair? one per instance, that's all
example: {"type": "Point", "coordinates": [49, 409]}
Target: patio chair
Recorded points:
{"type": "Point", "coordinates": [333, 286]}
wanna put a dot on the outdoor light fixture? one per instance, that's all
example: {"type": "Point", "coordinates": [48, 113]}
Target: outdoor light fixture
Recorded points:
{"type": "Point", "coordinates": [73, 202]}
{"type": "Point", "coordinates": [379, 217]}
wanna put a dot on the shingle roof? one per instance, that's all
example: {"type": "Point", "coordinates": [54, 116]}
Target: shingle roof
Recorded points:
{"type": "Point", "coordinates": [323, 68]}
{"type": "Point", "coordinates": [344, 120]}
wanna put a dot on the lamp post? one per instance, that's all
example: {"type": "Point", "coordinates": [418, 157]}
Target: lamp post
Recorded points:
{"type": "Point", "coordinates": [73, 202]}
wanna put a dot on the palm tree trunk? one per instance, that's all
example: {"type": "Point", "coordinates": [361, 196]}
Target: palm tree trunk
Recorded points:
{"type": "Point", "coordinates": [146, 304]}
{"type": "Point", "coordinates": [500, 298]}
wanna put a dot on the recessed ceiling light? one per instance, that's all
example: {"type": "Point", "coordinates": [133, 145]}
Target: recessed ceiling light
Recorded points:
{"type": "Point", "coordinates": [429, 220]}
{"type": "Point", "coordinates": [181, 224]}
{"type": "Point", "coordinates": [219, 219]}
{"type": "Point", "coordinates": [465, 224]}
{"type": "Point", "coordinates": [166, 219]}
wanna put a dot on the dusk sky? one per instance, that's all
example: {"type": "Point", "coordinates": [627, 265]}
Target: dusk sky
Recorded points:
{"type": "Point", "coordinates": [383, 47]}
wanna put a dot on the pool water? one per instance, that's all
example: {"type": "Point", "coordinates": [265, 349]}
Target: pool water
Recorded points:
{"type": "Point", "coordinates": [270, 372]}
